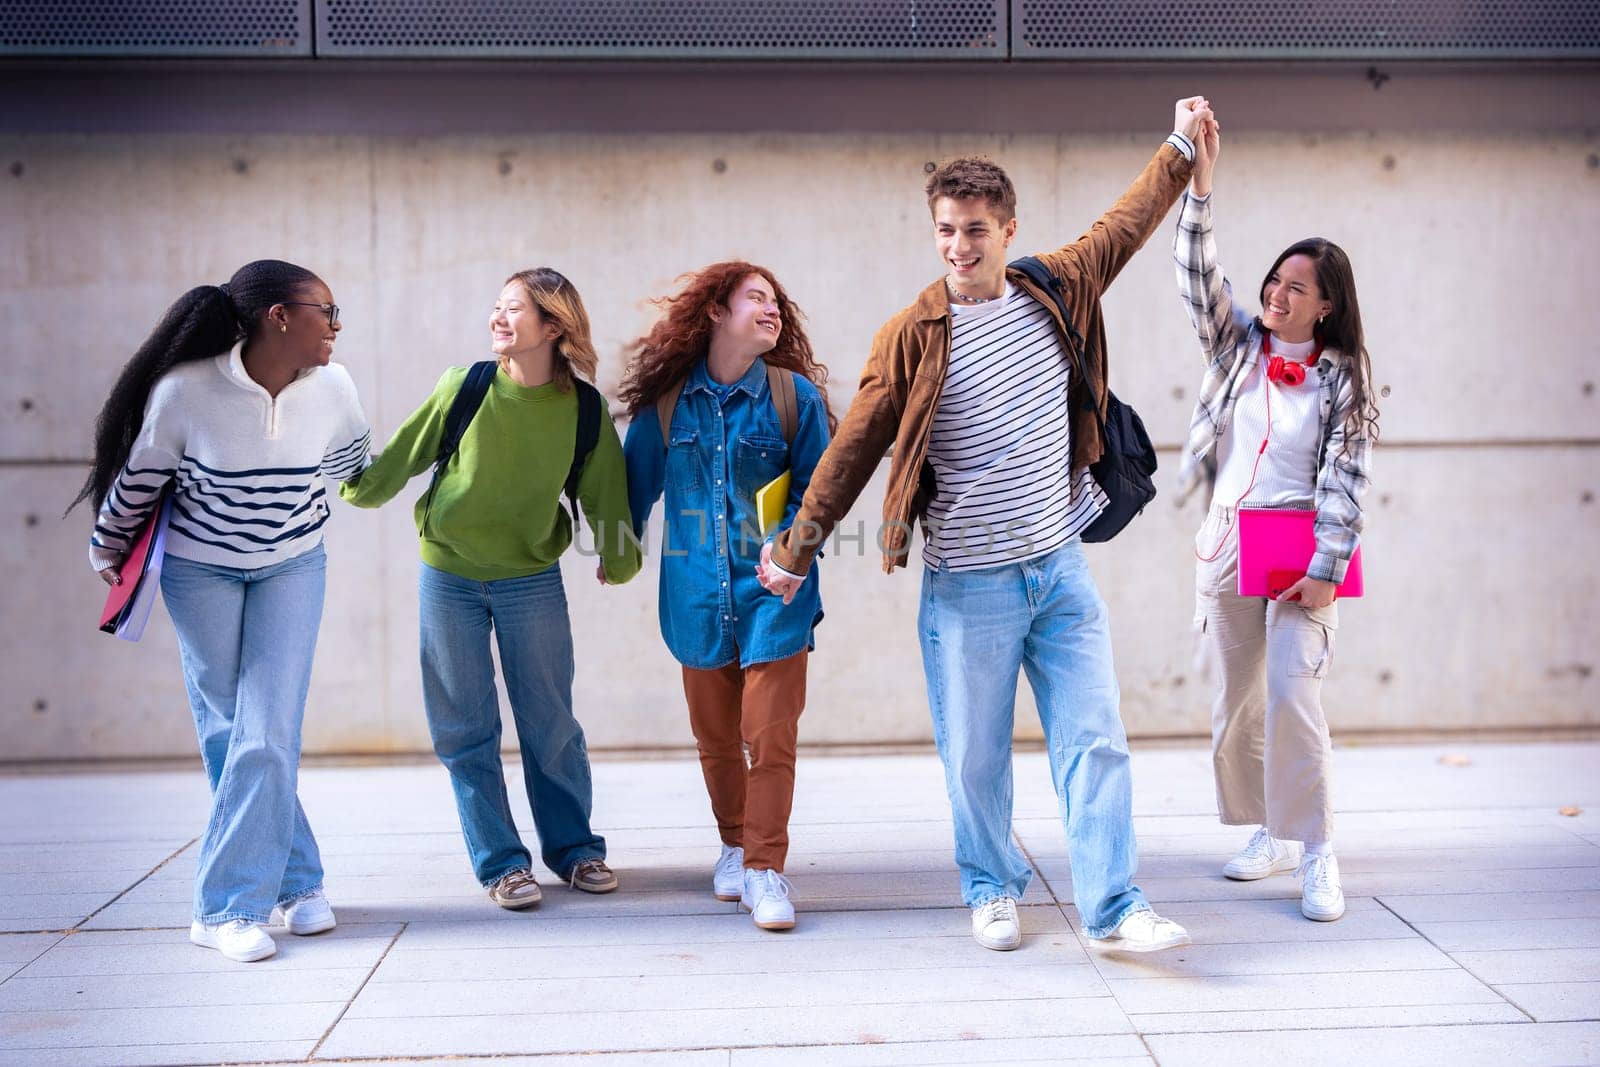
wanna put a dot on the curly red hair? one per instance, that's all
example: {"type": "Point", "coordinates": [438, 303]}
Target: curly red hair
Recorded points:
{"type": "Point", "coordinates": [683, 335]}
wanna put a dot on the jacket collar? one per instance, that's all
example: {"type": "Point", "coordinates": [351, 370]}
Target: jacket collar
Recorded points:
{"type": "Point", "coordinates": [754, 382]}
{"type": "Point", "coordinates": [932, 303]}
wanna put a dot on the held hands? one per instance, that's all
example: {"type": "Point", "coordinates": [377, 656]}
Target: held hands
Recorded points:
{"type": "Point", "coordinates": [111, 575]}
{"type": "Point", "coordinates": [600, 573]}
{"type": "Point", "coordinates": [771, 580]}
{"type": "Point", "coordinates": [1312, 593]}
{"type": "Point", "coordinates": [1196, 121]}
{"type": "Point", "coordinates": [1189, 114]}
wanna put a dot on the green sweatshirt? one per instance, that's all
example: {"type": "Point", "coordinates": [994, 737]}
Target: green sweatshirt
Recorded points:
{"type": "Point", "coordinates": [497, 511]}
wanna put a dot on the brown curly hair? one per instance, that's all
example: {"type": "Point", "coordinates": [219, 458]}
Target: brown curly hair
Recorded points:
{"type": "Point", "coordinates": [974, 177]}
{"type": "Point", "coordinates": [666, 354]}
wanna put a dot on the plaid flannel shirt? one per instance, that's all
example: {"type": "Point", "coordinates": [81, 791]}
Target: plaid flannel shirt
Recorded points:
{"type": "Point", "coordinates": [1230, 340]}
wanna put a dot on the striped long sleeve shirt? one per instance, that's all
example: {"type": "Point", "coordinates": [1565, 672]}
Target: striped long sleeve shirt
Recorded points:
{"type": "Point", "coordinates": [1001, 443]}
{"type": "Point", "coordinates": [248, 469]}
{"type": "Point", "coordinates": [1230, 341]}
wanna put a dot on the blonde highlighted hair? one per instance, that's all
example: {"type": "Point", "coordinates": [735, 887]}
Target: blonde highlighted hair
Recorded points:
{"type": "Point", "coordinates": [557, 300]}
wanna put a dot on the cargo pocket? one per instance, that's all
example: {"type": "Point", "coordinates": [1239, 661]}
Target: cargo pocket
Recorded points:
{"type": "Point", "coordinates": [1312, 650]}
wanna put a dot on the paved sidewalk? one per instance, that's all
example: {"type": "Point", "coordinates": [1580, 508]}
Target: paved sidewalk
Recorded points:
{"type": "Point", "coordinates": [1473, 931]}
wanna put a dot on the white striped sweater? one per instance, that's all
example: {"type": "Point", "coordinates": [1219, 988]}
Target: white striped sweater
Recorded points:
{"type": "Point", "coordinates": [248, 468]}
{"type": "Point", "coordinates": [1001, 446]}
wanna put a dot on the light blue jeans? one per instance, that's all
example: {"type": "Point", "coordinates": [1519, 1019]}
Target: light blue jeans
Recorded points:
{"type": "Point", "coordinates": [979, 629]}
{"type": "Point", "coordinates": [529, 620]}
{"type": "Point", "coordinates": [247, 638]}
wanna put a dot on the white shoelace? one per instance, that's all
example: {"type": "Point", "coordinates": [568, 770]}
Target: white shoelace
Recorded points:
{"type": "Point", "coordinates": [731, 863]}
{"type": "Point", "coordinates": [1260, 845]}
{"type": "Point", "coordinates": [1314, 870]}
{"type": "Point", "coordinates": [1000, 908]}
{"type": "Point", "coordinates": [774, 884]}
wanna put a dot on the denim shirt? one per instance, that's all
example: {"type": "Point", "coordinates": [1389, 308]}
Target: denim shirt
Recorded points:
{"type": "Point", "coordinates": [726, 444]}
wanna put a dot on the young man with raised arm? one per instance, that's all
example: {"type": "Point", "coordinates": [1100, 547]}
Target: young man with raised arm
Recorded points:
{"type": "Point", "coordinates": [973, 386]}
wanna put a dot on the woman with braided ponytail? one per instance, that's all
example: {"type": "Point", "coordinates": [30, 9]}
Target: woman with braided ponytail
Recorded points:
{"type": "Point", "coordinates": [233, 406]}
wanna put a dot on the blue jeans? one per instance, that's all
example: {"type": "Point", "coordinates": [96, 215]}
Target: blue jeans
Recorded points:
{"type": "Point", "coordinates": [247, 639]}
{"type": "Point", "coordinates": [529, 620]}
{"type": "Point", "coordinates": [1044, 616]}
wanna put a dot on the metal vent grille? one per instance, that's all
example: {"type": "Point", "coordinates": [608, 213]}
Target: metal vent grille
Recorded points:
{"type": "Point", "coordinates": [1320, 29]}
{"type": "Point", "coordinates": [155, 27]}
{"type": "Point", "coordinates": [611, 29]}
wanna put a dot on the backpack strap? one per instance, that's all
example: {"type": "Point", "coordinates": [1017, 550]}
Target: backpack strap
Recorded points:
{"type": "Point", "coordinates": [467, 401]}
{"type": "Point", "coordinates": [587, 437]}
{"type": "Point", "coordinates": [780, 383]}
{"type": "Point", "coordinates": [1036, 272]}
{"type": "Point", "coordinates": [666, 404]}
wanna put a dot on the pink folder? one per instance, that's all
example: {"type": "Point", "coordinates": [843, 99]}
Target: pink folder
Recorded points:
{"type": "Point", "coordinates": [128, 605]}
{"type": "Point", "coordinates": [1275, 548]}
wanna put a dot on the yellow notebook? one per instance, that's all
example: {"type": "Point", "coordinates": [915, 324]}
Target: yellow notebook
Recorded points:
{"type": "Point", "coordinates": [771, 501]}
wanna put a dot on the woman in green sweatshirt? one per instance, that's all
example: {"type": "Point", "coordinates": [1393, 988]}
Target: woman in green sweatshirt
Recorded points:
{"type": "Point", "coordinates": [493, 529]}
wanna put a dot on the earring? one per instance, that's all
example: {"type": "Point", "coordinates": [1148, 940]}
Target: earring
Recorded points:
{"type": "Point", "coordinates": [283, 327]}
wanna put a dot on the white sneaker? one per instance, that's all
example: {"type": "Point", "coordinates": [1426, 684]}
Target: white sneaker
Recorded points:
{"type": "Point", "coordinates": [311, 914]}
{"type": "Point", "coordinates": [1144, 931]}
{"type": "Point", "coordinates": [727, 881]}
{"type": "Point", "coordinates": [1321, 895]}
{"type": "Point", "coordinates": [1264, 855]}
{"type": "Point", "coordinates": [995, 924]}
{"type": "Point", "coordinates": [766, 898]}
{"type": "Point", "coordinates": [238, 939]}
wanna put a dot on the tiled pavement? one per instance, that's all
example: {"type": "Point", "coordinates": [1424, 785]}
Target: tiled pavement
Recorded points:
{"type": "Point", "coordinates": [1473, 931]}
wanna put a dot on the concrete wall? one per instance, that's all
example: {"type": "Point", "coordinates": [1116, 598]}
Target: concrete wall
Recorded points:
{"type": "Point", "coordinates": [1473, 251]}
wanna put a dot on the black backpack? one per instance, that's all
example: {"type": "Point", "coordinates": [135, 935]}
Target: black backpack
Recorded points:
{"type": "Point", "coordinates": [469, 398]}
{"type": "Point", "coordinates": [1127, 460]}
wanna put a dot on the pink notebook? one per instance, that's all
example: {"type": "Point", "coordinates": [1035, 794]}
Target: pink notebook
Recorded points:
{"type": "Point", "coordinates": [1275, 548]}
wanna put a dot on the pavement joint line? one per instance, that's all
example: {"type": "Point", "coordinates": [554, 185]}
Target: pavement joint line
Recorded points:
{"type": "Point", "coordinates": [353, 997]}
{"type": "Point", "coordinates": [35, 959]}
{"type": "Point", "coordinates": [1457, 962]}
{"type": "Point", "coordinates": [136, 884]}
{"type": "Point", "coordinates": [1356, 1026]}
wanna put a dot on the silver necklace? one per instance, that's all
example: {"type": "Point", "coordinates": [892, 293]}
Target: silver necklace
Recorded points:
{"type": "Point", "coordinates": [963, 297]}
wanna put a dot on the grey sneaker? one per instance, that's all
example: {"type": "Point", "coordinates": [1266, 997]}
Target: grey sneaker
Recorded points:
{"type": "Point", "coordinates": [1263, 856]}
{"type": "Point", "coordinates": [995, 924]}
{"type": "Point", "coordinates": [516, 890]}
{"type": "Point", "coordinates": [592, 876]}
{"type": "Point", "coordinates": [1321, 895]}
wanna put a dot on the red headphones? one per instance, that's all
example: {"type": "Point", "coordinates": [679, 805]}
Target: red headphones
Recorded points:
{"type": "Point", "coordinates": [1287, 371]}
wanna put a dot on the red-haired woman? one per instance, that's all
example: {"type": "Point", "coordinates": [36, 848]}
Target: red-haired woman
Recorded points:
{"type": "Point", "coordinates": [707, 432]}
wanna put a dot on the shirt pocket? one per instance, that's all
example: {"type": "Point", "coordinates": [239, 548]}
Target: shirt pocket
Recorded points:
{"type": "Point", "coordinates": [683, 462]}
{"type": "Point", "coordinates": [757, 460]}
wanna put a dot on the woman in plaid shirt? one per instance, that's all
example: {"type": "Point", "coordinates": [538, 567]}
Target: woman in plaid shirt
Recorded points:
{"type": "Point", "coordinates": [1286, 411]}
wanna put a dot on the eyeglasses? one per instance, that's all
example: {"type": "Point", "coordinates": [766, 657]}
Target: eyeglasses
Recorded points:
{"type": "Point", "coordinates": [330, 310]}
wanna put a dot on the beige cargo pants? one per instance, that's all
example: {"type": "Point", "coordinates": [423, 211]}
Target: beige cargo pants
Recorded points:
{"type": "Point", "coordinates": [1269, 740]}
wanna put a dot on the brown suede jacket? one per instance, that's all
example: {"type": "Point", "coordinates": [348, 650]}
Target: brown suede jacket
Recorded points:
{"type": "Point", "coordinates": [904, 376]}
